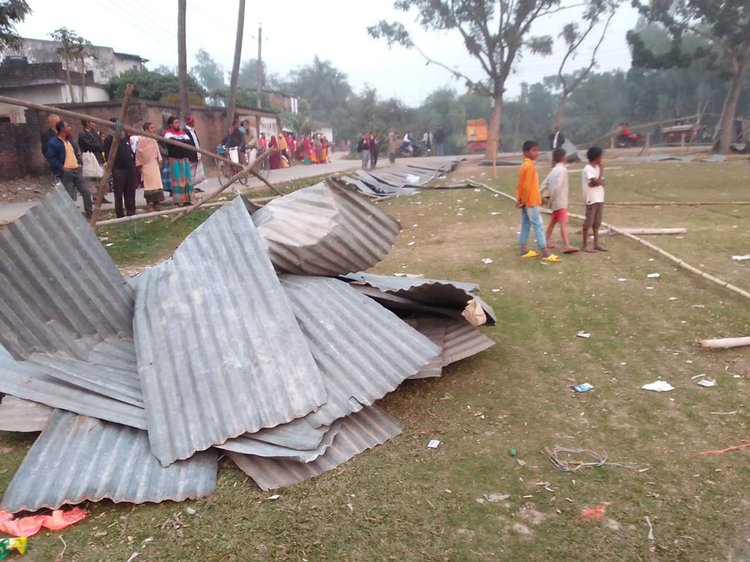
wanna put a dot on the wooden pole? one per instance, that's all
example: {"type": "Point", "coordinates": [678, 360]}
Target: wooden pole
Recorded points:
{"type": "Point", "coordinates": [215, 194]}
{"type": "Point", "coordinates": [116, 137]}
{"type": "Point", "coordinates": [674, 259]}
{"type": "Point", "coordinates": [127, 128]}
{"type": "Point", "coordinates": [725, 343]}
{"type": "Point", "coordinates": [109, 222]}
{"type": "Point", "coordinates": [673, 203]}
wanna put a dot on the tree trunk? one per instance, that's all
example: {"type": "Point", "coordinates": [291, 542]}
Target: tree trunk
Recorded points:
{"type": "Point", "coordinates": [182, 59]}
{"type": "Point", "coordinates": [83, 81]}
{"type": "Point", "coordinates": [561, 108]}
{"type": "Point", "coordinates": [232, 101]}
{"type": "Point", "coordinates": [70, 82]}
{"type": "Point", "coordinates": [493, 141]}
{"type": "Point", "coordinates": [726, 126]}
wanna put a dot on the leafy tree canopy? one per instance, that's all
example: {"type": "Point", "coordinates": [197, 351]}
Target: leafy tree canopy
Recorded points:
{"type": "Point", "coordinates": [150, 85]}
{"type": "Point", "coordinates": [11, 13]}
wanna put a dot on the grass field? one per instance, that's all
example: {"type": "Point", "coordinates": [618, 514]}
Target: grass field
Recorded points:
{"type": "Point", "coordinates": [403, 501]}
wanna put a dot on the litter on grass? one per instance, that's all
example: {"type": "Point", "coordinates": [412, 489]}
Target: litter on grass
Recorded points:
{"type": "Point", "coordinates": [583, 387]}
{"type": "Point", "coordinates": [487, 261]}
{"type": "Point", "coordinates": [741, 258]}
{"type": "Point", "coordinates": [433, 444]}
{"type": "Point", "coordinates": [658, 386]}
{"type": "Point", "coordinates": [707, 382]}
{"type": "Point", "coordinates": [595, 513]}
{"type": "Point", "coordinates": [653, 275]}
{"type": "Point", "coordinates": [573, 460]}
{"type": "Point", "coordinates": [583, 334]}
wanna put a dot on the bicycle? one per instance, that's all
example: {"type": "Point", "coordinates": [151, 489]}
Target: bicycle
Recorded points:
{"type": "Point", "coordinates": [227, 170]}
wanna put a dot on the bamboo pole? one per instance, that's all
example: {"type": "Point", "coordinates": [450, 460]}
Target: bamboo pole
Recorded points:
{"type": "Point", "coordinates": [109, 222]}
{"type": "Point", "coordinates": [244, 171]}
{"type": "Point", "coordinates": [654, 230]}
{"type": "Point", "coordinates": [673, 203]}
{"type": "Point", "coordinates": [114, 147]}
{"type": "Point", "coordinates": [127, 128]}
{"type": "Point", "coordinates": [674, 259]}
{"type": "Point", "coordinates": [725, 343]}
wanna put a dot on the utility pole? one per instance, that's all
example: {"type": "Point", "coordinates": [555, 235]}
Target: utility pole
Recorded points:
{"type": "Point", "coordinates": [259, 70]}
{"type": "Point", "coordinates": [231, 103]}
{"type": "Point", "coordinates": [182, 59]}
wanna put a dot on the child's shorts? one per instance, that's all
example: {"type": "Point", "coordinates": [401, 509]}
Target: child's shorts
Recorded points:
{"type": "Point", "coordinates": [561, 216]}
{"type": "Point", "coordinates": [594, 213]}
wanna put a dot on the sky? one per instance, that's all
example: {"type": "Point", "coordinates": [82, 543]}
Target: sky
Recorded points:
{"type": "Point", "coordinates": [294, 31]}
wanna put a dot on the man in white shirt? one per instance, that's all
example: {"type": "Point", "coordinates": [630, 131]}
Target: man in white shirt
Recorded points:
{"type": "Point", "coordinates": [592, 185]}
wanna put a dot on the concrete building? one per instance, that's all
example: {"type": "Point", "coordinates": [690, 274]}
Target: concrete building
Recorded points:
{"type": "Point", "coordinates": [105, 64]}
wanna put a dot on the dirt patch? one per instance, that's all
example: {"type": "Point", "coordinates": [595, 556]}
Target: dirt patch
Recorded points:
{"type": "Point", "coordinates": [24, 191]}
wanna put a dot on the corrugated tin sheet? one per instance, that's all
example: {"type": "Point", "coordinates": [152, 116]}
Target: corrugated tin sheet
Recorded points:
{"type": "Point", "coordinates": [361, 431]}
{"type": "Point", "coordinates": [403, 178]}
{"type": "Point", "coordinates": [363, 350]}
{"type": "Point", "coordinates": [457, 338]}
{"type": "Point", "coordinates": [249, 446]}
{"type": "Point", "coordinates": [23, 416]}
{"type": "Point", "coordinates": [439, 293]}
{"type": "Point", "coordinates": [219, 350]}
{"type": "Point", "coordinates": [325, 230]}
{"type": "Point", "coordinates": [79, 458]}
{"type": "Point", "coordinates": [26, 380]}
{"type": "Point", "coordinates": [59, 290]}
{"type": "Point", "coordinates": [300, 434]}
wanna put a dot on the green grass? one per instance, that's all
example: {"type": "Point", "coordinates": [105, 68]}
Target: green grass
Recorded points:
{"type": "Point", "coordinates": [412, 503]}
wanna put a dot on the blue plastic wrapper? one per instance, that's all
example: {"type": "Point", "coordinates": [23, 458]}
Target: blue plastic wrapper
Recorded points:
{"type": "Point", "coordinates": [583, 387]}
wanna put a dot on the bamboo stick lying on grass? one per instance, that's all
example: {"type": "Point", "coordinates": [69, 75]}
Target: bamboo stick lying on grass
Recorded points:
{"type": "Point", "coordinates": [674, 259]}
{"type": "Point", "coordinates": [725, 343]}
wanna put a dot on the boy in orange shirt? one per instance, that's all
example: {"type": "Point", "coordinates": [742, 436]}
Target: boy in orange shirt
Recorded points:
{"type": "Point", "coordinates": [528, 199]}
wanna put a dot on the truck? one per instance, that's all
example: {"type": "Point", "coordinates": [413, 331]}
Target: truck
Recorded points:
{"type": "Point", "coordinates": [476, 135]}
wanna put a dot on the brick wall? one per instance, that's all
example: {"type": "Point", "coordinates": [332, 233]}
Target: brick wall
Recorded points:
{"type": "Point", "coordinates": [20, 152]}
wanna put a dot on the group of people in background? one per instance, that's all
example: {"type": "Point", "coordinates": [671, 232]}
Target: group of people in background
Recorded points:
{"type": "Point", "coordinates": [138, 161]}
{"type": "Point", "coordinates": [370, 144]}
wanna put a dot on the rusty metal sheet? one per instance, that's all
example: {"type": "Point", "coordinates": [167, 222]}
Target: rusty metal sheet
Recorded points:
{"type": "Point", "coordinates": [59, 290]}
{"type": "Point", "coordinates": [361, 431]}
{"type": "Point", "coordinates": [325, 230]}
{"type": "Point", "coordinates": [219, 350]}
{"type": "Point", "coordinates": [78, 458]}
{"type": "Point", "coordinates": [17, 414]}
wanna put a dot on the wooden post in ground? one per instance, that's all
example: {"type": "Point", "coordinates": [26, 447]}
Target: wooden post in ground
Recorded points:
{"type": "Point", "coordinates": [116, 136]}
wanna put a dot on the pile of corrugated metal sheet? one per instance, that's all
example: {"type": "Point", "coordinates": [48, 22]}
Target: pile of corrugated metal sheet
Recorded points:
{"type": "Point", "coordinates": [259, 339]}
{"type": "Point", "coordinates": [403, 178]}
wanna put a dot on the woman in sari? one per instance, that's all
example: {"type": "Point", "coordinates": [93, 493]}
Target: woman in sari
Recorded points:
{"type": "Point", "coordinates": [283, 146]}
{"type": "Point", "coordinates": [317, 150]}
{"type": "Point", "coordinates": [308, 149]}
{"type": "Point", "coordinates": [179, 165]}
{"type": "Point", "coordinates": [275, 156]}
{"type": "Point", "coordinates": [148, 161]}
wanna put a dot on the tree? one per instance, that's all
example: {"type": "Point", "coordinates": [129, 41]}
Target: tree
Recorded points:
{"type": "Point", "coordinates": [182, 59]}
{"type": "Point", "coordinates": [231, 103]}
{"type": "Point", "coordinates": [11, 13]}
{"type": "Point", "coordinates": [574, 36]}
{"type": "Point", "coordinates": [325, 87]}
{"type": "Point", "coordinates": [150, 85]}
{"type": "Point", "coordinates": [495, 32]}
{"type": "Point", "coordinates": [724, 25]}
{"type": "Point", "coordinates": [208, 72]}
{"type": "Point", "coordinates": [249, 72]}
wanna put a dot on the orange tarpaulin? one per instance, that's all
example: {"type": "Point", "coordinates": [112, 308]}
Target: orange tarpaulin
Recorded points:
{"type": "Point", "coordinates": [31, 525]}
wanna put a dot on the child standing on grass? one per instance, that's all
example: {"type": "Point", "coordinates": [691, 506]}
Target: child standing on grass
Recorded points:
{"type": "Point", "coordinates": [555, 187]}
{"type": "Point", "coordinates": [592, 183]}
{"type": "Point", "coordinates": [528, 199]}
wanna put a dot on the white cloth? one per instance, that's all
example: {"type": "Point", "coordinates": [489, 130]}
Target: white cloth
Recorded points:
{"type": "Point", "coordinates": [134, 143]}
{"type": "Point", "coordinates": [591, 194]}
{"type": "Point", "coordinates": [555, 186]}
{"type": "Point", "coordinates": [190, 131]}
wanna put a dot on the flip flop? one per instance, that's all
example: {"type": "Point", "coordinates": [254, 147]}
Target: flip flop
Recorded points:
{"type": "Point", "coordinates": [600, 249]}
{"type": "Point", "coordinates": [588, 250]}
{"type": "Point", "coordinates": [530, 254]}
{"type": "Point", "coordinates": [552, 258]}
{"type": "Point", "coordinates": [571, 251]}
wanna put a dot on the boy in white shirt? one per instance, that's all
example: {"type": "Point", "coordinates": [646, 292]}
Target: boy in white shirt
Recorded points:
{"type": "Point", "coordinates": [555, 190]}
{"type": "Point", "coordinates": [592, 184]}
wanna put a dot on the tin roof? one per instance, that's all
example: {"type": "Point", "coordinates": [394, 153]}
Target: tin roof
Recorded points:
{"type": "Point", "coordinates": [17, 414]}
{"type": "Point", "coordinates": [325, 230]}
{"type": "Point", "coordinates": [59, 290]}
{"type": "Point", "coordinates": [364, 430]}
{"type": "Point", "coordinates": [219, 350]}
{"type": "Point", "coordinates": [78, 458]}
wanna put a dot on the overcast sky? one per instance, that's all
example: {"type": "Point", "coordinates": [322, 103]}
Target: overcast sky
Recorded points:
{"type": "Point", "coordinates": [294, 31]}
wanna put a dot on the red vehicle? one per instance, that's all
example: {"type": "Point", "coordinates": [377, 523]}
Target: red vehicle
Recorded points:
{"type": "Point", "coordinates": [625, 138]}
{"type": "Point", "coordinates": [682, 132]}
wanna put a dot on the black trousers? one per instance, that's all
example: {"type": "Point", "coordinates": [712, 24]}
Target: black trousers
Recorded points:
{"type": "Point", "coordinates": [124, 183]}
